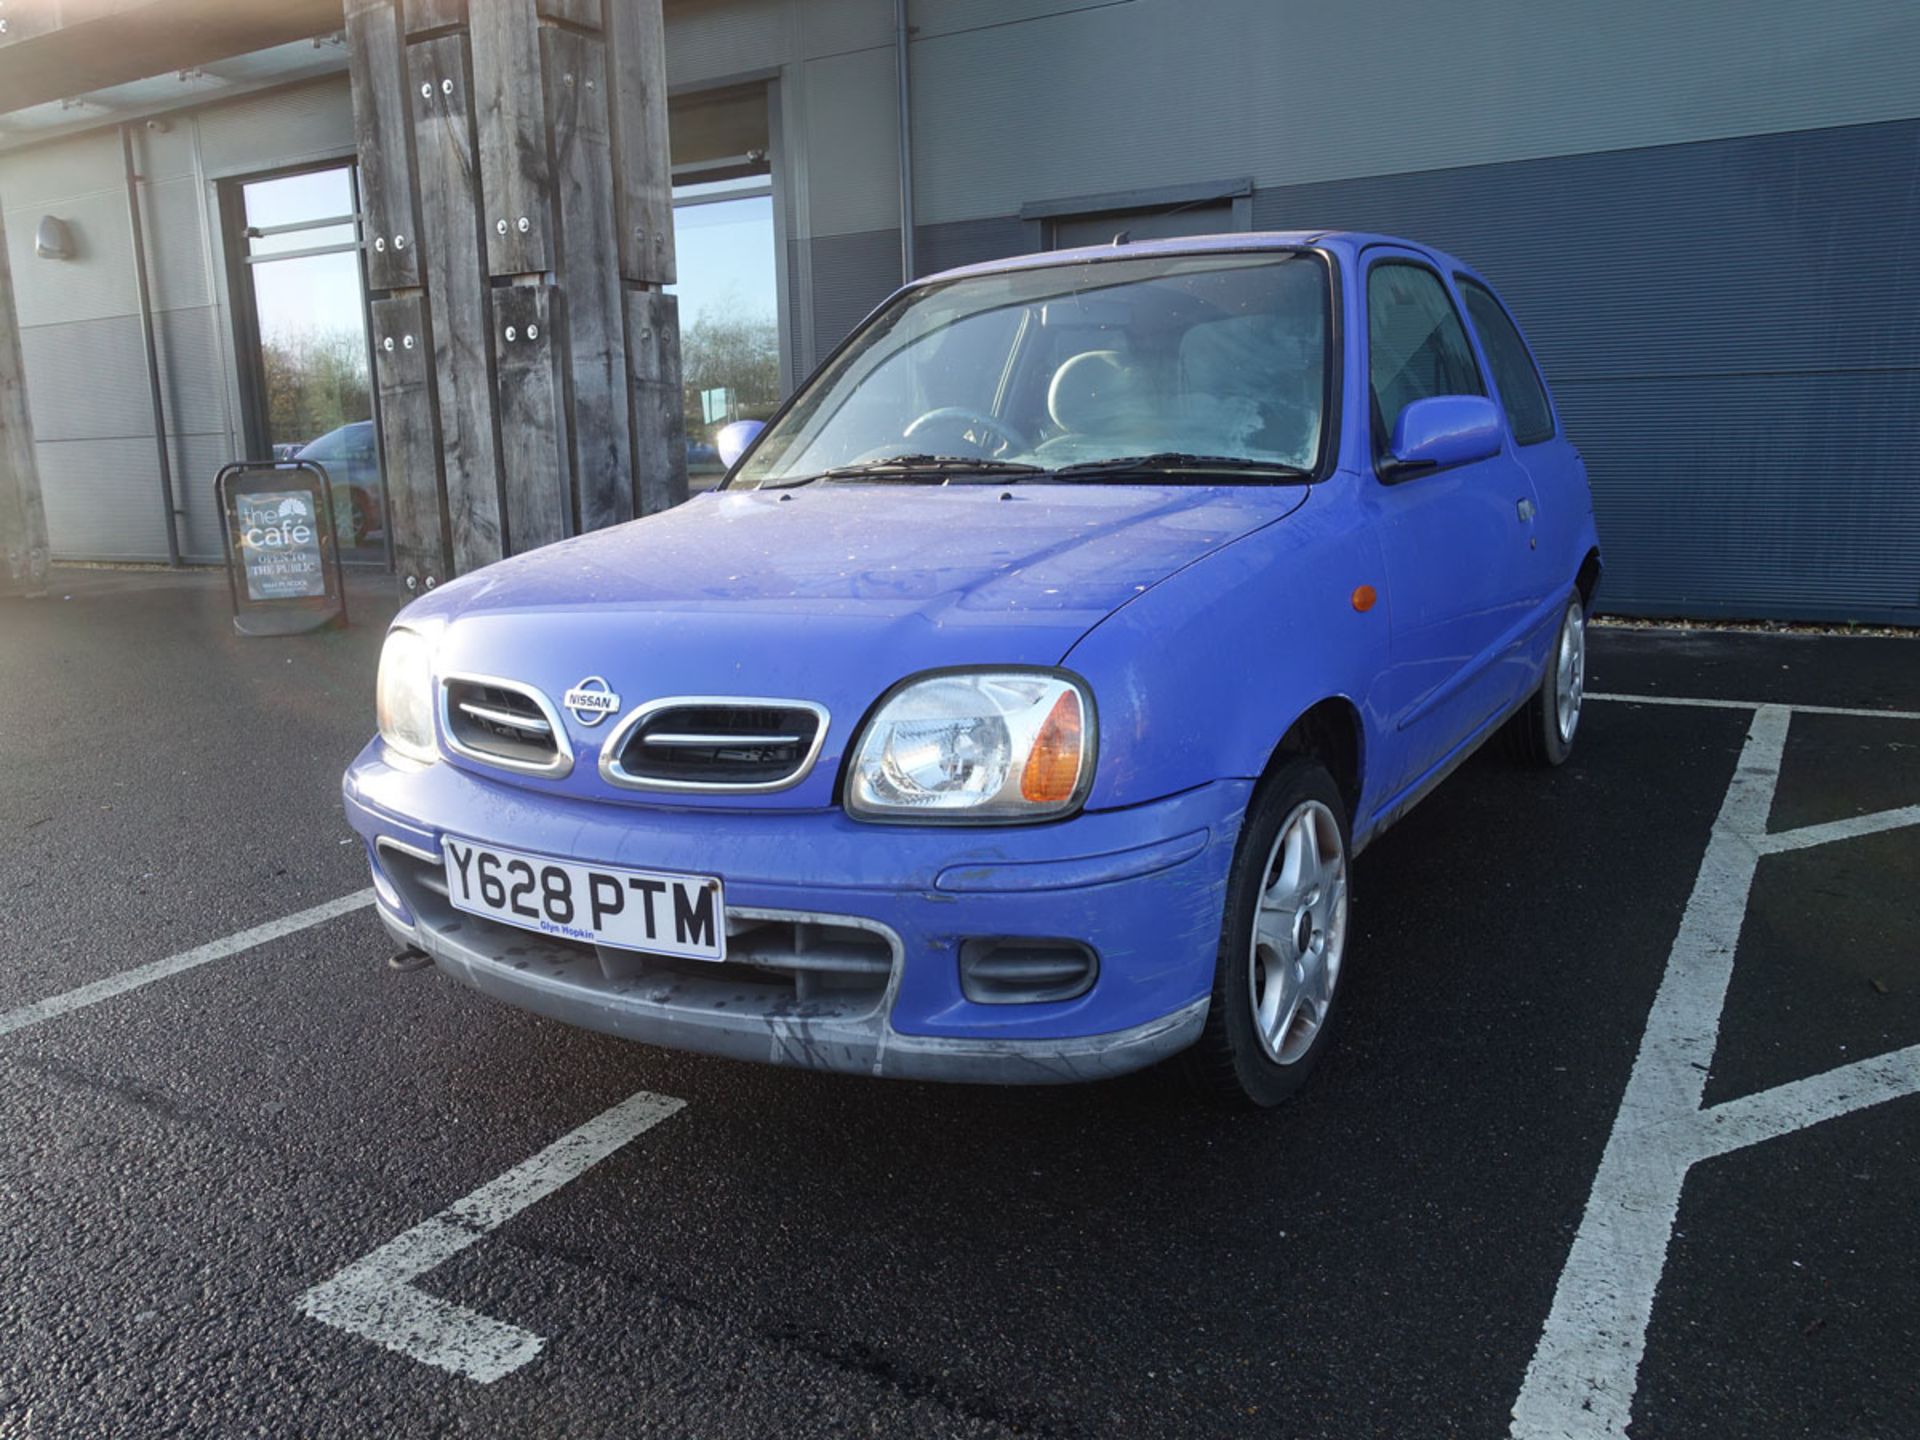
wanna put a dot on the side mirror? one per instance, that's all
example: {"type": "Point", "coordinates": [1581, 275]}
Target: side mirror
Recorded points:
{"type": "Point", "coordinates": [1442, 430]}
{"type": "Point", "coordinates": [733, 440]}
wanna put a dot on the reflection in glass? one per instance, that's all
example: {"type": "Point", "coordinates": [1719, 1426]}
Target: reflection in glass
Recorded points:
{"type": "Point", "coordinates": [729, 325]}
{"type": "Point", "coordinates": [309, 315]}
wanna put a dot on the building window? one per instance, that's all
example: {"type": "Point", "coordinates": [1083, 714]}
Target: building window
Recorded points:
{"type": "Point", "coordinates": [723, 239]}
{"type": "Point", "coordinates": [300, 310]}
{"type": "Point", "coordinates": [1067, 232]}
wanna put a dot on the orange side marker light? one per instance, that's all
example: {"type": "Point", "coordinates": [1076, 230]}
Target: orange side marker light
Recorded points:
{"type": "Point", "coordinates": [1053, 767]}
{"type": "Point", "coordinates": [1363, 598]}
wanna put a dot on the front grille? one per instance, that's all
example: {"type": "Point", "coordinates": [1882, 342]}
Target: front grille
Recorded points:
{"type": "Point", "coordinates": [503, 723]}
{"type": "Point", "coordinates": [777, 965]}
{"type": "Point", "coordinates": [708, 744]}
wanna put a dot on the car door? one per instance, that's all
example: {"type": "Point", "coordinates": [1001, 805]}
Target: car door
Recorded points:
{"type": "Point", "coordinates": [1552, 464]}
{"type": "Point", "coordinates": [1455, 540]}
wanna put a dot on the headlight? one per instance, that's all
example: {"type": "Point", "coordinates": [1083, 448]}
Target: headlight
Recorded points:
{"type": "Point", "coordinates": [403, 697]}
{"type": "Point", "coordinates": [983, 745]}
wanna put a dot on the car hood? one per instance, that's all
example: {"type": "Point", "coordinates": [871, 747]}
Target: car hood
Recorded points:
{"type": "Point", "coordinates": [829, 592]}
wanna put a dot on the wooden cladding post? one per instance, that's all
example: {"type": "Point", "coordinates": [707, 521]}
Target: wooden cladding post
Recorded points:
{"type": "Point", "coordinates": [23, 517]}
{"type": "Point", "coordinates": [518, 202]}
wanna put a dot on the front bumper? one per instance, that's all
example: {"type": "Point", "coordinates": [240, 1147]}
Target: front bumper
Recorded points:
{"type": "Point", "coordinates": [1141, 888]}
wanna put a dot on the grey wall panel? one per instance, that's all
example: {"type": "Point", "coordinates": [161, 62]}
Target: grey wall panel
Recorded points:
{"type": "Point", "coordinates": [1776, 252]}
{"type": "Point", "coordinates": [192, 379]}
{"type": "Point", "coordinates": [61, 169]}
{"type": "Point", "coordinates": [932, 18]}
{"type": "Point", "coordinates": [103, 502]}
{"type": "Point", "coordinates": [851, 275]}
{"type": "Point", "coordinates": [88, 380]}
{"type": "Point", "coordinates": [1755, 496]}
{"type": "Point", "coordinates": [96, 282]}
{"type": "Point", "coordinates": [1740, 369]}
{"type": "Point", "coordinates": [163, 154]}
{"type": "Point", "coordinates": [196, 460]}
{"type": "Point", "coordinates": [1157, 92]}
{"type": "Point", "coordinates": [710, 39]}
{"type": "Point", "coordinates": [171, 217]}
{"type": "Point", "coordinates": [278, 127]}
{"type": "Point", "coordinates": [844, 109]}
{"type": "Point", "coordinates": [968, 242]}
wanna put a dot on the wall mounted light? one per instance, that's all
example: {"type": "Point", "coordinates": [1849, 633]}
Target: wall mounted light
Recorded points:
{"type": "Point", "coordinates": [53, 240]}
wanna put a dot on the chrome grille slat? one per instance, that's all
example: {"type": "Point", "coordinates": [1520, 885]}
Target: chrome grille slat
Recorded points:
{"type": "Point", "coordinates": [504, 723]}
{"type": "Point", "coordinates": [721, 744]}
{"type": "Point", "coordinates": [733, 742]}
{"type": "Point", "coordinates": [532, 724]}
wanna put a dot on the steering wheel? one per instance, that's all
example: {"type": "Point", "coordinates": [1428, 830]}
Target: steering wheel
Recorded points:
{"type": "Point", "coordinates": [972, 426]}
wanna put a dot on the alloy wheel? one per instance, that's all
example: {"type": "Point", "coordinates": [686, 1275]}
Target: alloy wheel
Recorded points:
{"type": "Point", "coordinates": [1299, 933]}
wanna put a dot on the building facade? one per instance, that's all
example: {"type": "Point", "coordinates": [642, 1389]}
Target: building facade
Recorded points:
{"type": "Point", "coordinates": [1706, 217]}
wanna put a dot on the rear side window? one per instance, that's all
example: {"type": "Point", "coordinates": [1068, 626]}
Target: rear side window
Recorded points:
{"type": "Point", "coordinates": [1416, 345]}
{"type": "Point", "coordinates": [1521, 393]}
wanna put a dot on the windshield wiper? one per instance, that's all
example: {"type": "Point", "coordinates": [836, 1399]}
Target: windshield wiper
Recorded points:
{"type": "Point", "coordinates": [1177, 462]}
{"type": "Point", "coordinates": [897, 466]}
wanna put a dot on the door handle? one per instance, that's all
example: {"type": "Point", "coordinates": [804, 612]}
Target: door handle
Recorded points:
{"type": "Point", "coordinates": [1525, 507]}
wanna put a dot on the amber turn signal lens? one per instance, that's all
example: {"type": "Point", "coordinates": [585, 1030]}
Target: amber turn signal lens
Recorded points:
{"type": "Point", "coordinates": [1053, 765]}
{"type": "Point", "coordinates": [1363, 598]}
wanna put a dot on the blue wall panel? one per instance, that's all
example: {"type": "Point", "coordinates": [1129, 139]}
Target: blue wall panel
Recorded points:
{"type": "Point", "coordinates": [1732, 329]}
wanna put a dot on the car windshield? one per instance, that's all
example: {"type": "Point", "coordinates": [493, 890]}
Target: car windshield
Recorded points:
{"type": "Point", "coordinates": [1185, 366]}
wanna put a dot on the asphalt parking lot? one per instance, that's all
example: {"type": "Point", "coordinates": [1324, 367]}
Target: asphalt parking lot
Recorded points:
{"type": "Point", "coordinates": [1621, 1122]}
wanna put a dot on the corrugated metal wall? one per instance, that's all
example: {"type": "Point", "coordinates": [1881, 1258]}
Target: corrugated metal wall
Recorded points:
{"type": "Point", "coordinates": [1732, 330]}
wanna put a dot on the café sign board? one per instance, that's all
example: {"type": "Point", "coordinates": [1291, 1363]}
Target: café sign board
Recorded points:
{"type": "Point", "coordinates": [283, 561]}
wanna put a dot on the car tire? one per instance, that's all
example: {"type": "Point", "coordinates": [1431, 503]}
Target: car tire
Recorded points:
{"type": "Point", "coordinates": [1282, 942]}
{"type": "Point", "coordinates": [1542, 731]}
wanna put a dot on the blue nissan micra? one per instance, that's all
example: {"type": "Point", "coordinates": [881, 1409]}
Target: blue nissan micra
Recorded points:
{"type": "Point", "coordinates": [1014, 710]}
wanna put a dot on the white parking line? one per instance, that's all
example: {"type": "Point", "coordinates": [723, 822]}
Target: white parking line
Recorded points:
{"type": "Point", "coordinates": [1702, 703]}
{"type": "Point", "coordinates": [1800, 1103]}
{"type": "Point", "coordinates": [65, 1004]}
{"type": "Point", "coordinates": [375, 1299]}
{"type": "Point", "coordinates": [1584, 1373]}
{"type": "Point", "coordinates": [1851, 828]}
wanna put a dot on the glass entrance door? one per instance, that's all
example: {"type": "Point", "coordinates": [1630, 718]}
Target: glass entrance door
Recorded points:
{"type": "Point", "coordinates": [302, 318]}
{"type": "Point", "coordinates": [723, 239]}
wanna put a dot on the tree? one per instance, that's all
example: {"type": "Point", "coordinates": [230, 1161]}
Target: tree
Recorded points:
{"type": "Point", "coordinates": [316, 382]}
{"type": "Point", "coordinates": [730, 350]}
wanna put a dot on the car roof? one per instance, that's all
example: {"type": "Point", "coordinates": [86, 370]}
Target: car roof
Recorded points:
{"type": "Point", "coordinates": [1350, 242]}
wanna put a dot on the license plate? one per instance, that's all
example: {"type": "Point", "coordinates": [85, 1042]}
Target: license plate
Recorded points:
{"type": "Point", "coordinates": [627, 909]}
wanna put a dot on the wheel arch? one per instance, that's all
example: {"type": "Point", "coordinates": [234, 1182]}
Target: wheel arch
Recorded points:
{"type": "Point", "coordinates": [1330, 731]}
{"type": "Point", "coordinates": [1587, 579]}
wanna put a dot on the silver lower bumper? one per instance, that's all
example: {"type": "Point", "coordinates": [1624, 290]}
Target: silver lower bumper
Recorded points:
{"type": "Point", "coordinates": [572, 988]}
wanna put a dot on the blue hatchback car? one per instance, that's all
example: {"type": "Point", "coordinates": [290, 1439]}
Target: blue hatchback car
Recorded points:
{"type": "Point", "coordinates": [1015, 709]}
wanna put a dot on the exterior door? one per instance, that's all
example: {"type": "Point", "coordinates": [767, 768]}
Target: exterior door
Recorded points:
{"type": "Point", "coordinates": [1455, 540]}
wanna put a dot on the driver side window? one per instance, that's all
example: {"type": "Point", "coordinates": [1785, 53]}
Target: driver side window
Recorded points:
{"type": "Point", "coordinates": [1416, 345]}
